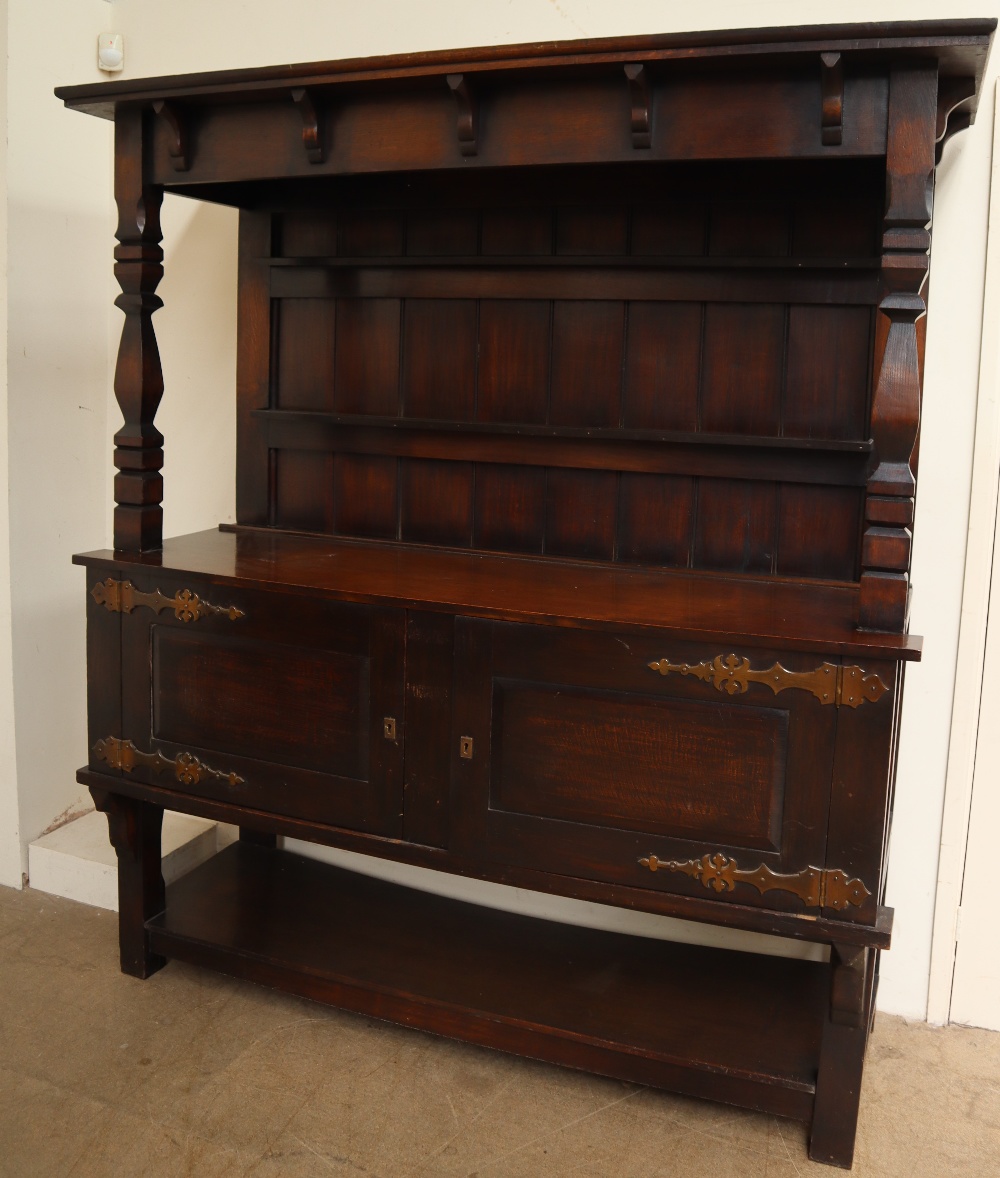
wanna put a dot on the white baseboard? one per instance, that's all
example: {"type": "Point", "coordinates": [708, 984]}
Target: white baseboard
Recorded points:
{"type": "Point", "coordinates": [78, 862]}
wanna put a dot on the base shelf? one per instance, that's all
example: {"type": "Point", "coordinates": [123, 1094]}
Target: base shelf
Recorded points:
{"type": "Point", "coordinates": [744, 1030]}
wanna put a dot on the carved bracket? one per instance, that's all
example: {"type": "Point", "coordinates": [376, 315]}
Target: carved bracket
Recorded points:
{"type": "Point", "coordinates": [312, 125]}
{"type": "Point", "coordinates": [468, 113]}
{"type": "Point", "coordinates": [641, 104]}
{"type": "Point", "coordinates": [123, 597]}
{"type": "Point", "coordinates": [187, 769]}
{"type": "Point", "coordinates": [816, 887]}
{"type": "Point", "coordinates": [954, 101]}
{"type": "Point", "coordinates": [831, 67]}
{"type": "Point", "coordinates": [829, 683]}
{"type": "Point", "coordinates": [180, 144]}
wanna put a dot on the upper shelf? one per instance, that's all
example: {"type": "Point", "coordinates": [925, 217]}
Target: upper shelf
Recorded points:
{"type": "Point", "coordinates": [959, 46]}
{"type": "Point", "coordinates": [818, 92]}
{"type": "Point", "coordinates": [692, 606]}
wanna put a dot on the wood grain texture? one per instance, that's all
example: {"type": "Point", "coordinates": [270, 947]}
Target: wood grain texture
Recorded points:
{"type": "Point", "coordinates": [578, 413]}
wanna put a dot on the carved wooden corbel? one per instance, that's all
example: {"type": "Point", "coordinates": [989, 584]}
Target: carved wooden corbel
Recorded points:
{"type": "Point", "coordinates": [955, 96]}
{"type": "Point", "coordinates": [179, 145]}
{"type": "Point", "coordinates": [468, 113]}
{"type": "Point", "coordinates": [641, 103]}
{"type": "Point", "coordinates": [312, 125]}
{"type": "Point", "coordinates": [831, 67]}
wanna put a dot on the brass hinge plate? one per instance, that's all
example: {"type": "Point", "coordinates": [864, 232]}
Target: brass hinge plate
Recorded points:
{"type": "Point", "coordinates": [122, 597]}
{"type": "Point", "coordinates": [186, 768]}
{"type": "Point", "coordinates": [830, 683]}
{"type": "Point", "coordinates": [816, 887]}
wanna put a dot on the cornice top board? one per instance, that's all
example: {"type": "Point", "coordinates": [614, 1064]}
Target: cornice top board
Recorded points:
{"type": "Point", "coordinates": [960, 48]}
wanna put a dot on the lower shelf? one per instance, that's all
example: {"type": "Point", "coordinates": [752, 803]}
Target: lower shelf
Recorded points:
{"type": "Point", "coordinates": [740, 1028]}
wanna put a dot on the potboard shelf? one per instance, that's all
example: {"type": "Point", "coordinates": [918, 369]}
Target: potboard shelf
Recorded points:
{"type": "Point", "coordinates": [512, 982]}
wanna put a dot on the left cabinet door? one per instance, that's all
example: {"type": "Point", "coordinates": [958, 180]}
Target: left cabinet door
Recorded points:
{"type": "Point", "coordinates": [271, 701]}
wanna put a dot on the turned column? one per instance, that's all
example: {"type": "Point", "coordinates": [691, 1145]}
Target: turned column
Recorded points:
{"type": "Point", "coordinates": [895, 416]}
{"type": "Point", "coordinates": [138, 376]}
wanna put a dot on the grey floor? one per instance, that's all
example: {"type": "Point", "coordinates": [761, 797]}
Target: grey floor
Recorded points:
{"type": "Point", "coordinates": [194, 1074]}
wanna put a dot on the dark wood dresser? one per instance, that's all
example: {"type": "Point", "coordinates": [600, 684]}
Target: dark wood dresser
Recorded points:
{"type": "Point", "coordinates": [578, 406]}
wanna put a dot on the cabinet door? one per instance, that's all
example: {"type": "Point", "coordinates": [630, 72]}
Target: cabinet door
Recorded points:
{"type": "Point", "coordinates": [277, 702]}
{"type": "Point", "coordinates": [585, 761]}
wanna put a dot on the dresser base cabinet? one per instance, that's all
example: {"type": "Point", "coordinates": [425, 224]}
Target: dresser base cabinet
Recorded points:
{"type": "Point", "coordinates": [578, 398]}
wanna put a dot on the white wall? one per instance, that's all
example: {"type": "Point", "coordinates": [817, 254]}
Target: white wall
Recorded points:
{"type": "Point", "coordinates": [58, 264]}
{"type": "Point", "coordinates": [10, 850]}
{"type": "Point", "coordinates": [190, 35]}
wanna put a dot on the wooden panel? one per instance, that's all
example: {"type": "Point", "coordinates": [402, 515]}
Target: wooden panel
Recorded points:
{"type": "Point", "coordinates": [439, 359]}
{"type": "Point", "coordinates": [737, 528]}
{"type": "Point", "coordinates": [580, 513]}
{"type": "Point", "coordinates": [592, 230]}
{"type": "Point", "coordinates": [365, 496]}
{"type": "Point", "coordinates": [837, 228]}
{"type": "Point", "coordinates": [744, 353]}
{"type": "Point", "coordinates": [303, 490]}
{"type": "Point", "coordinates": [662, 366]}
{"type": "Point", "coordinates": [437, 502]}
{"type": "Point", "coordinates": [306, 334]}
{"type": "Point", "coordinates": [510, 508]}
{"type": "Point", "coordinates": [513, 360]}
{"type": "Point", "coordinates": [587, 341]}
{"type": "Point", "coordinates": [307, 233]}
{"type": "Point", "coordinates": [670, 230]}
{"type": "Point", "coordinates": [427, 727]}
{"type": "Point", "coordinates": [517, 231]}
{"type": "Point", "coordinates": [581, 281]}
{"type": "Point", "coordinates": [370, 233]}
{"type": "Point", "coordinates": [748, 230]}
{"type": "Point", "coordinates": [367, 361]}
{"type": "Point", "coordinates": [632, 762]}
{"type": "Point", "coordinates": [441, 231]}
{"type": "Point", "coordinates": [299, 707]}
{"type": "Point", "coordinates": [656, 519]}
{"type": "Point", "coordinates": [819, 530]}
{"type": "Point", "coordinates": [828, 372]}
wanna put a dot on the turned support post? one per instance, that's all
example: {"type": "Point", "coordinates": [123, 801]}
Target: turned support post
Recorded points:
{"type": "Point", "coordinates": [134, 828]}
{"type": "Point", "coordinates": [895, 416]}
{"type": "Point", "coordinates": [138, 522]}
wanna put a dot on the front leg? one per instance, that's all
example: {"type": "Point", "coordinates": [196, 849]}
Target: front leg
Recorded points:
{"type": "Point", "coordinates": [134, 827]}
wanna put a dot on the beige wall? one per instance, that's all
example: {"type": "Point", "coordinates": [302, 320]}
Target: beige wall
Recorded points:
{"type": "Point", "coordinates": [55, 426]}
{"type": "Point", "coordinates": [196, 335]}
{"type": "Point", "coordinates": [10, 850]}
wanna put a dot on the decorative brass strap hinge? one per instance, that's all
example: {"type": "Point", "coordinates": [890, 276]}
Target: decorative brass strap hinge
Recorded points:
{"type": "Point", "coordinates": [123, 755]}
{"type": "Point", "coordinates": [829, 683]}
{"type": "Point", "coordinates": [816, 887]}
{"type": "Point", "coordinates": [123, 597]}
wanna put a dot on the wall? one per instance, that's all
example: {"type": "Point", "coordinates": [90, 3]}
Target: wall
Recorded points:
{"type": "Point", "coordinates": [58, 269]}
{"type": "Point", "coordinates": [10, 850]}
{"type": "Point", "coordinates": [188, 35]}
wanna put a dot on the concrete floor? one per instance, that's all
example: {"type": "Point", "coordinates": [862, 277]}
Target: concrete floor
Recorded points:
{"type": "Point", "coordinates": [191, 1073]}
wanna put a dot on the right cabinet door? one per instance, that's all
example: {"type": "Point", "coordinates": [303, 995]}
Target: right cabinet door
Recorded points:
{"type": "Point", "coordinates": [573, 754]}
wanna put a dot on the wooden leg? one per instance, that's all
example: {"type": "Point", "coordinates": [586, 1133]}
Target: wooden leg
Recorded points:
{"type": "Point", "coordinates": [134, 828]}
{"type": "Point", "coordinates": [842, 1056]}
{"type": "Point", "coordinates": [258, 838]}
